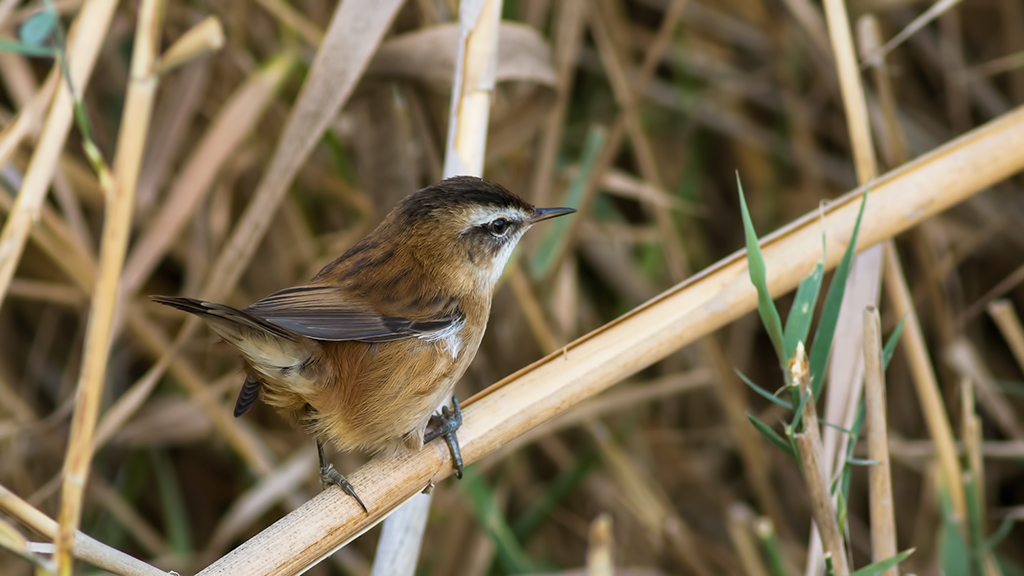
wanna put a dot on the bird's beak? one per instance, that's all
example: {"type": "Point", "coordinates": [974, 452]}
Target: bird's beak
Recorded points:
{"type": "Point", "coordinates": [545, 213]}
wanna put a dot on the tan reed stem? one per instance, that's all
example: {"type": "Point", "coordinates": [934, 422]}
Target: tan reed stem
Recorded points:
{"type": "Point", "coordinates": [117, 225]}
{"type": "Point", "coordinates": [883, 520]}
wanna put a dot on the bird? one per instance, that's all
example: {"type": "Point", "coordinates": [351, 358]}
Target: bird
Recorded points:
{"type": "Point", "coordinates": [363, 354]}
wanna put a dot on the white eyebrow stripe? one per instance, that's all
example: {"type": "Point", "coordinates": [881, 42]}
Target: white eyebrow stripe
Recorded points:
{"type": "Point", "coordinates": [489, 214]}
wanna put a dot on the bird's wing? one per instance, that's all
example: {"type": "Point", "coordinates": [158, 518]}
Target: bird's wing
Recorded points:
{"type": "Point", "coordinates": [326, 313]}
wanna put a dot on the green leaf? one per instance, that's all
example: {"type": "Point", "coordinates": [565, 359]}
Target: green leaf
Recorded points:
{"type": "Point", "coordinates": [761, 391]}
{"type": "Point", "coordinates": [883, 565]}
{"type": "Point", "coordinates": [772, 550]}
{"type": "Point", "coordinates": [890, 345]}
{"type": "Point", "coordinates": [7, 45]}
{"type": "Point", "coordinates": [975, 530]}
{"type": "Point", "coordinates": [843, 483]}
{"type": "Point", "coordinates": [861, 462]}
{"type": "Point", "coordinates": [1002, 532]}
{"type": "Point", "coordinates": [799, 412]}
{"type": "Point", "coordinates": [836, 427]}
{"type": "Point", "coordinates": [798, 323]}
{"type": "Point", "coordinates": [842, 510]}
{"type": "Point", "coordinates": [830, 315]}
{"type": "Point", "coordinates": [954, 555]}
{"type": "Point", "coordinates": [172, 502]}
{"type": "Point", "coordinates": [1010, 387]}
{"type": "Point", "coordinates": [771, 435]}
{"type": "Point", "coordinates": [759, 278]}
{"type": "Point", "coordinates": [36, 31]}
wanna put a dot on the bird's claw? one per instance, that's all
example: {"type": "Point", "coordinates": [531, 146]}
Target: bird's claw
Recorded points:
{"type": "Point", "coordinates": [445, 426]}
{"type": "Point", "coordinates": [329, 475]}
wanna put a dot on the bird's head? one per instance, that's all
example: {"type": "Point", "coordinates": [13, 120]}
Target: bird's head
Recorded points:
{"type": "Point", "coordinates": [468, 224]}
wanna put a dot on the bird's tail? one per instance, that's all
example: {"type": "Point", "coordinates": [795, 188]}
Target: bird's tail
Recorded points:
{"type": "Point", "coordinates": [225, 320]}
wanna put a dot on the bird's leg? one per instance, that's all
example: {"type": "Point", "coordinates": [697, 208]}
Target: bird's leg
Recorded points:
{"type": "Point", "coordinates": [445, 425]}
{"type": "Point", "coordinates": [330, 475]}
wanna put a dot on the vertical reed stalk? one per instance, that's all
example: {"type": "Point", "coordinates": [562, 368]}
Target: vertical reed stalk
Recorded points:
{"type": "Point", "coordinates": [809, 447]}
{"type": "Point", "coordinates": [883, 520]}
{"type": "Point", "coordinates": [116, 228]}
{"type": "Point", "coordinates": [400, 540]}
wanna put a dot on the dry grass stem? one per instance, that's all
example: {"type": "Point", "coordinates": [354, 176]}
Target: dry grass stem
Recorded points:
{"type": "Point", "coordinates": [852, 90]}
{"type": "Point", "coordinates": [84, 43]}
{"type": "Point", "coordinates": [1009, 324]}
{"type": "Point", "coordinates": [964, 358]}
{"type": "Point", "coordinates": [925, 383]}
{"type": "Point", "coordinates": [971, 435]}
{"type": "Point", "coordinates": [649, 505]}
{"type": "Point", "coordinates": [85, 547]}
{"type": "Point", "coordinates": [614, 136]}
{"type": "Point", "coordinates": [116, 228]}
{"type": "Point", "coordinates": [234, 122]}
{"type": "Point", "coordinates": [353, 35]}
{"type": "Point", "coordinates": [205, 37]}
{"type": "Point", "coordinates": [569, 19]}
{"type": "Point", "coordinates": [816, 471]}
{"type": "Point", "coordinates": [601, 553]}
{"type": "Point", "coordinates": [822, 509]}
{"type": "Point", "coordinates": [883, 519]}
{"type": "Point", "coordinates": [472, 87]}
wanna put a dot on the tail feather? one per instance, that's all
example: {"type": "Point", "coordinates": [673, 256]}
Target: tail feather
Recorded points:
{"type": "Point", "coordinates": [247, 396]}
{"type": "Point", "coordinates": [275, 357]}
{"type": "Point", "coordinates": [222, 316]}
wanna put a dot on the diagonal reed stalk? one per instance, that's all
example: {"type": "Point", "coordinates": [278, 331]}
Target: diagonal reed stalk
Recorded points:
{"type": "Point", "coordinates": [720, 294]}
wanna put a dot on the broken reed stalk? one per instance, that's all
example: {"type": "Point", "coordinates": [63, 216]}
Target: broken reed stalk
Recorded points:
{"type": "Point", "coordinates": [711, 299]}
{"type": "Point", "coordinates": [812, 463]}
{"type": "Point", "coordinates": [882, 513]}
{"type": "Point", "coordinates": [472, 86]}
{"type": "Point", "coordinates": [117, 225]}
{"type": "Point", "coordinates": [84, 548]}
{"type": "Point", "coordinates": [601, 546]}
{"type": "Point", "coordinates": [823, 511]}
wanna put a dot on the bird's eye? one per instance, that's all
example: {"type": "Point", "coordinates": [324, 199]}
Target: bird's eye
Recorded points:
{"type": "Point", "coordinates": [498, 227]}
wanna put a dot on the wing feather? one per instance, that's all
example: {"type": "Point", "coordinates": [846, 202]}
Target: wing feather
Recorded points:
{"type": "Point", "coordinates": [325, 313]}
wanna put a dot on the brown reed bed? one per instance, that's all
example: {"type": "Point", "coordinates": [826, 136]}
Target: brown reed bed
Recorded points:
{"type": "Point", "coordinates": [229, 149]}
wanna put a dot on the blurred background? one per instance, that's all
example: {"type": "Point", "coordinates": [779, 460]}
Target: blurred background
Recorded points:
{"type": "Point", "coordinates": [643, 111]}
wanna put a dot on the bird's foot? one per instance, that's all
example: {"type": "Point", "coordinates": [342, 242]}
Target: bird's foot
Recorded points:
{"type": "Point", "coordinates": [329, 475]}
{"type": "Point", "coordinates": [444, 426]}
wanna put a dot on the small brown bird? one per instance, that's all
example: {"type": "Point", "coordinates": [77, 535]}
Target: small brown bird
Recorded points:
{"type": "Point", "coordinates": [365, 352]}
